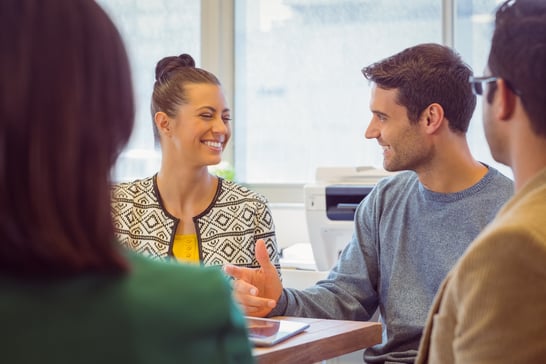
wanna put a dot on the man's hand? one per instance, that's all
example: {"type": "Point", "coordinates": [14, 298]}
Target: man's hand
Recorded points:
{"type": "Point", "coordinates": [256, 290]}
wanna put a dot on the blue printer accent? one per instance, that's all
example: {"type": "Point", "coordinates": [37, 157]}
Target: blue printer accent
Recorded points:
{"type": "Point", "coordinates": [342, 200]}
{"type": "Point", "coordinates": [330, 204]}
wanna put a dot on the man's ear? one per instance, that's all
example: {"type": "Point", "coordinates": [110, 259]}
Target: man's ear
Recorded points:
{"type": "Point", "coordinates": [505, 100]}
{"type": "Point", "coordinates": [433, 117]}
{"type": "Point", "coordinates": [162, 122]}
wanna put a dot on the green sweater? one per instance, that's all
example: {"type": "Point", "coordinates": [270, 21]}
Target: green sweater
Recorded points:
{"type": "Point", "coordinates": [158, 313]}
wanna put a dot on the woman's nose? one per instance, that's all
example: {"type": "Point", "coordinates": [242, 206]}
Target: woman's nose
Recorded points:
{"type": "Point", "coordinates": [220, 126]}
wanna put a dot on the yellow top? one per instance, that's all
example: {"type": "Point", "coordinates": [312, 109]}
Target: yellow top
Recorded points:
{"type": "Point", "coordinates": [185, 248]}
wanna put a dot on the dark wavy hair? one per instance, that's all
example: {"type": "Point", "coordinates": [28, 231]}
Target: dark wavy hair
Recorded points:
{"type": "Point", "coordinates": [518, 55]}
{"type": "Point", "coordinates": [66, 111]}
{"type": "Point", "coordinates": [426, 74]}
{"type": "Point", "coordinates": [172, 74]}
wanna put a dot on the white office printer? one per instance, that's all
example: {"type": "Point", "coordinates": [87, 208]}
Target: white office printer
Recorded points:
{"type": "Point", "coordinates": [330, 205]}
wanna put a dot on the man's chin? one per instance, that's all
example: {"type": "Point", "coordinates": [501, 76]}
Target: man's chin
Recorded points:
{"type": "Point", "coordinates": [389, 167]}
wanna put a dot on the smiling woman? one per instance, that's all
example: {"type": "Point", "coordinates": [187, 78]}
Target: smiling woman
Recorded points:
{"type": "Point", "coordinates": [183, 211]}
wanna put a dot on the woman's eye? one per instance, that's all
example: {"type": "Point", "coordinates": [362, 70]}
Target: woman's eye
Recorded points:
{"type": "Point", "coordinates": [206, 116]}
{"type": "Point", "coordinates": [226, 119]}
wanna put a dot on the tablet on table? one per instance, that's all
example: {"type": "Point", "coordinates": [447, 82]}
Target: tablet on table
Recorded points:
{"type": "Point", "coordinates": [267, 332]}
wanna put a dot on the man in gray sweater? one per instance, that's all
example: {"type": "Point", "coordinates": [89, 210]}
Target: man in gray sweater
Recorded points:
{"type": "Point", "coordinates": [410, 230]}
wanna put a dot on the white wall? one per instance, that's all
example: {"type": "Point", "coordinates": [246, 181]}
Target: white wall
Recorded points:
{"type": "Point", "coordinates": [290, 223]}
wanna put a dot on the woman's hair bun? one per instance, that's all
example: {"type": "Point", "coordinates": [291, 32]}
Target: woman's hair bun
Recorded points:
{"type": "Point", "coordinates": [186, 60]}
{"type": "Point", "coordinates": [172, 63]}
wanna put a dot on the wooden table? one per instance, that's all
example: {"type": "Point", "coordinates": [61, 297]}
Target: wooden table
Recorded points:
{"type": "Point", "coordinates": [324, 339]}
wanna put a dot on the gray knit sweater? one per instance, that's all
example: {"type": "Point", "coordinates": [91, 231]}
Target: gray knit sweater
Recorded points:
{"type": "Point", "coordinates": [406, 239]}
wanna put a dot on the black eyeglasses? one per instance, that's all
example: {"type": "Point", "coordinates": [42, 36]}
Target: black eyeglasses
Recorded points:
{"type": "Point", "coordinates": [476, 83]}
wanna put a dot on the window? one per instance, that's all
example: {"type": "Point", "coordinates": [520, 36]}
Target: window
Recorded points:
{"type": "Point", "coordinates": [291, 71]}
{"type": "Point", "coordinates": [473, 32]}
{"type": "Point", "coordinates": [301, 101]}
{"type": "Point", "coordinates": [151, 30]}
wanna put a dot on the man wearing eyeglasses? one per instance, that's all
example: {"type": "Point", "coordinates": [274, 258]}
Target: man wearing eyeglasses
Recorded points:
{"type": "Point", "coordinates": [413, 226]}
{"type": "Point", "coordinates": [491, 308]}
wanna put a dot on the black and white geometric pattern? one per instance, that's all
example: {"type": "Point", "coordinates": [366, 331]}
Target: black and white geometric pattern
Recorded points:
{"type": "Point", "coordinates": [226, 230]}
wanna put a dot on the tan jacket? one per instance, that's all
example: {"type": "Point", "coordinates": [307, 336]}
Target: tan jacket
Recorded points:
{"type": "Point", "coordinates": [491, 308]}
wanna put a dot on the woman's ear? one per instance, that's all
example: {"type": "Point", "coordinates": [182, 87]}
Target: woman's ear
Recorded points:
{"type": "Point", "coordinates": [433, 117]}
{"type": "Point", "coordinates": [506, 101]}
{"type": "Point", "coordinates": [163, 123]}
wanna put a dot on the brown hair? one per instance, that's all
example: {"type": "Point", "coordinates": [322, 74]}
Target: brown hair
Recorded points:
{"type": "Point", "coordinates": [66, 111]}
{"type": "Point", "coordinates": [518, 54]}
{"type": "Point", "coordinates": [426, 74]}
{"type": "Point", "coordinates": [171, 76]}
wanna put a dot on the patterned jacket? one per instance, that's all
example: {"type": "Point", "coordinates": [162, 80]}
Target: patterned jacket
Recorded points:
{"type": "Point", "coordinates": [226, 231]}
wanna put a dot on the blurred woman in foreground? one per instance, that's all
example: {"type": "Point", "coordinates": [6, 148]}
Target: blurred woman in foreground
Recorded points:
{"type": "Point", "coordinates": [68, 292]}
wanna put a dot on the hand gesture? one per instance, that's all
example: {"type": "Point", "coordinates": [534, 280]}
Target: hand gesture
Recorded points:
{"type": "Point", "coordinates": [256, 290]}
